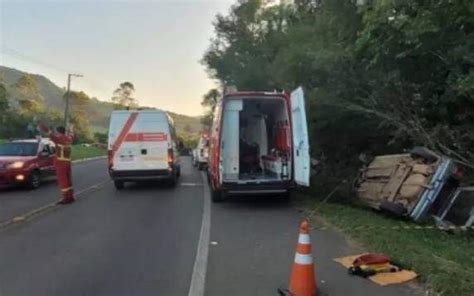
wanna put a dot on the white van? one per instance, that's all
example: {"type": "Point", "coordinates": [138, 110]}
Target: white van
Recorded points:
{"type": "Point", "coordinates": [142, 146]}
{"type": "Point", "coordinates": [201, 153]}
{"type": "Point", "coordinates": [259, 144]}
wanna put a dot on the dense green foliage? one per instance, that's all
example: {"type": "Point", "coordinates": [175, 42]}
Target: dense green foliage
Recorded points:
{"type": "Point", "coordinates": [378, 78]}
{"type": "Point", "coordinates": [188, 142]}
{"type": "Point", "coordinates": [123, 96]}
{"type": "Point", "coordinates": [209, 101]}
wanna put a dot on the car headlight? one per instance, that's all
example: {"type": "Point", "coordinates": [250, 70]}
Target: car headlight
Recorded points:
{"type": "Point", "coordinates": [16, 165]}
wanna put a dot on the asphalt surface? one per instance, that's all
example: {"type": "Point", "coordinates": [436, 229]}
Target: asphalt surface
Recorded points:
{"type": "Point", "coordinates": [254, 241]}
{"type": "Point", "coordinates": [140, 241]}
{"type": "Point", "coordinates": [15, 201]}
{"type": "Point", "coordinates": [144, 240]}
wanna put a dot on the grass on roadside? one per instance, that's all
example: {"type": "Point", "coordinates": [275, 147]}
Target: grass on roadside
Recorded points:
{"type": "Point", "coordinates": [79, 152]}
{"type": "Point", "coordinates": [444, 261]}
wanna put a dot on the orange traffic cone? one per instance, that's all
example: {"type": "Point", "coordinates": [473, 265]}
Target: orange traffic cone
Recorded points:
{"type": "Point", "coordinates": [302, 279]}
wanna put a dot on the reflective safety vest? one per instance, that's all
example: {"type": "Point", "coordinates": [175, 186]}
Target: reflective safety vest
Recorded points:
{"type": "Point", "coordinates": [63, 146]}
{"type": "Point", "coordinates": [63, 152]}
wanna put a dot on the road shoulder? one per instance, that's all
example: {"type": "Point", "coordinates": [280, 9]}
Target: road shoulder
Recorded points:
{"type": "Point", "coordinates": [252, 249]}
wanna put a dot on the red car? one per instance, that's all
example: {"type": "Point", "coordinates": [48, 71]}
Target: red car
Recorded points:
{"type": "Point", "coordinates": [26, 162]}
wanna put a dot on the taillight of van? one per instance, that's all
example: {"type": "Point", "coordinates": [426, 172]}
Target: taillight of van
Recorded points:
{"type": "Point", "coordinates": [170, 157]}
{"type": "Point", "coordinates": [110, 154]}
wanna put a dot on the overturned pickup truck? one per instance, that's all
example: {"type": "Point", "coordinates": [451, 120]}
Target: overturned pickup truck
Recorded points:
{"type": "Point", "coordinates": [418, 185]}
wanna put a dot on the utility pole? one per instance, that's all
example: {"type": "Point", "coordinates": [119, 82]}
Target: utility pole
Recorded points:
{"type": "Point", "coordinates": [66, 109]}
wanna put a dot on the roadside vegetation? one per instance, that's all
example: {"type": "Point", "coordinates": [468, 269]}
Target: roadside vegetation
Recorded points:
{"type": "Point", "coordinates": [26, 99]}
{"type": "Point", "coordinates": [80, 152]}
{"type": "Point", "coordinates": [379, 78]}
{"type": "Point", "coordinates": [444, 260]}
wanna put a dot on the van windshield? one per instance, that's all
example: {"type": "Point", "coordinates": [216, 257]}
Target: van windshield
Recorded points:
{"type": "Point", "coordinates": [18, 149]}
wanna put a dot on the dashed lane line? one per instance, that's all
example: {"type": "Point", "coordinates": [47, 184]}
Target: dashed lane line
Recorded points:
{"type": "Point", "coordinates": [190, 184]}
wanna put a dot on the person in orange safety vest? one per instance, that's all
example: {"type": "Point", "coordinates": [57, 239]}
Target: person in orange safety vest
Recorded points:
{"type": "Point", "coordinates": [62, 161]}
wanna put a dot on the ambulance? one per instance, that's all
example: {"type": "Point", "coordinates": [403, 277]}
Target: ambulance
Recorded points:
{"type": "Point", "coordinates": [142, 145]}
{"type": "Point", "coordinates": [259, 144]}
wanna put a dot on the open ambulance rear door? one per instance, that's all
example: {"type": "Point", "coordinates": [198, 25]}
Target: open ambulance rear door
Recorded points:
{"type": "Point", "coordinates": [300, 138]}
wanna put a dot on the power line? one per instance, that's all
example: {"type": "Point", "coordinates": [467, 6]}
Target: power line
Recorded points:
{"type": "Point", "coordinates": [21, 56]}
{"type": "Point", "coordinates": [18, 55]}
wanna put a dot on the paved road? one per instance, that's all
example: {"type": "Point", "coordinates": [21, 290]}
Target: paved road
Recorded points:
{"type": "Point", "coordinates": [144, 241]}
{"type": "Point", "coordinates": [140, 241]}
{"type": "Point", "coordinates": [16, 201]}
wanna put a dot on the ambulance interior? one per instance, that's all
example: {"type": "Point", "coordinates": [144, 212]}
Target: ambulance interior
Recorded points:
{"type": "Point", "coordinates": [256, 140]}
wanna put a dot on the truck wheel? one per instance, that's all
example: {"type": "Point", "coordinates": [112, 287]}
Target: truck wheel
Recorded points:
{"type": "Point", "coordinates": [119, 185]}
{"type": "Point", "coordinates": [285, 197]}
{"type": "Point", "coordinates": [392, 208]}
{"type": "Point", "coordinates": [178, 171]}
{"type": "Point", "coordinates": [34, 181]}
{"type": "Point", "coordinates": [173, 180]}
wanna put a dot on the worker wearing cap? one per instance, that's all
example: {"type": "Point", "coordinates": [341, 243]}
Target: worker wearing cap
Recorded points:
{"type": "Point", "coordinates": [62, 161]}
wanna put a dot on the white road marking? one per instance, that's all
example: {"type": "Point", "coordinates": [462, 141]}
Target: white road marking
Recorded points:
{"type": "Point", "coordinates": [28, 215]}
{"type": "Point", "coordinates": [191, 184]}
{"type": "Point", "coordinates": [198, 278]}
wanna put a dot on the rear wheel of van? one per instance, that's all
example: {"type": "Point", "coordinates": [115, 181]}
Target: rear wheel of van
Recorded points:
{"type": "Point", "coordinates": [217, 196]}
{"type": "Point", "coordinates": [285, 196]}
{"type": "Point", "coordinates": [178, 171]}
{"type": "Point", "coordinates": [119, 185]}
{"type": "Point", "coordinates": [173, 180]}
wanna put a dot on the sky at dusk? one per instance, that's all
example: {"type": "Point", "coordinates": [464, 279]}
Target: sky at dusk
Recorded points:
{"type": "Point", "coordinates": [156, 45]}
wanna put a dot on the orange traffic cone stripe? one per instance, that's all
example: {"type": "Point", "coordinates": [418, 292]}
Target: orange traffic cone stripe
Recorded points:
{"type": "Point", "coordinates": [302, 280]}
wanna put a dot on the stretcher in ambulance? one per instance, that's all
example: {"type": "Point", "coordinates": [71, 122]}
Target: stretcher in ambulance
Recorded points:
{"type": "Point", "coordinates": [259, 144]}
{"type": "Point", "coordinates": [142, 146]}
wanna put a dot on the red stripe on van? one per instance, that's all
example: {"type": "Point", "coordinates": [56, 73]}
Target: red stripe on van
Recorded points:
{"type": "Point", "coordinates": [123, 133]}
{"type": "Point", "coordinates": [146, 137]}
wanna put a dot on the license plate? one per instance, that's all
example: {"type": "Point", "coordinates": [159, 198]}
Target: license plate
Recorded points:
{"type": "Point", "coordinates": [126, 158]}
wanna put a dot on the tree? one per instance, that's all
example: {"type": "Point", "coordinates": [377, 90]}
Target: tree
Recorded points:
{"type": "Point", "coordinates": [209, 100]}
{"type": "Point", "coordinates": [79, 102]}
{"type": "Point", "coordinates": [378, 79]}
{"type": "Point", "coordinates": [29, 99]}
{"type": "Point", "coordinates": [188, 129]}
{"type": "Point", "coordinates": [4, 108]}
{"type": "Point", "coordinates": [4, 104]}
{"type": "Point", "coordinates": [419, 54]}
{"type": "Point", "coordinates": [123, 96]}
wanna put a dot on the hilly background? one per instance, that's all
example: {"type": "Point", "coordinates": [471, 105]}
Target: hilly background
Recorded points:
{"type": "Point", "coordinates": [98, 111]}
